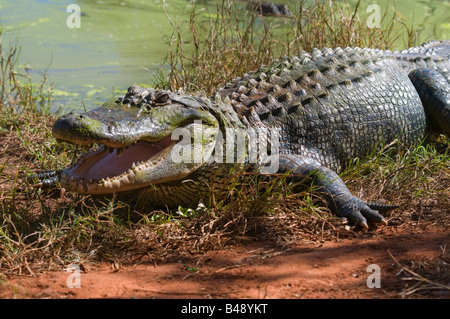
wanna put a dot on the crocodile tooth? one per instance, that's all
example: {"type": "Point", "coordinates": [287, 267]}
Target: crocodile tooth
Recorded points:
{"type": "Point", "coordinates": [116, 183]}
{"type": "Point", "coordinates": [133, 165]}
{"type": "Point", "coordinates": [119, 151]}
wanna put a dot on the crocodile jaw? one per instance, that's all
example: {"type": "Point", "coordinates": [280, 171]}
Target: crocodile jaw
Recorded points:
{"type": "Point", "coordinates": [109, 170]}
{"type": "Point", "coordinates": [136, 130]}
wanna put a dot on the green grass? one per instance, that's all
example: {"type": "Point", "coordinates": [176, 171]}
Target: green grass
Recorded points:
{"type": "Point", "coordinates": [406, 170]}
{"type": "Point", "coordinates": [48, 229]}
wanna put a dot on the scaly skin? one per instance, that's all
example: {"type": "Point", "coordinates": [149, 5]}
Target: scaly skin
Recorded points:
{"type": "Point", "coordinates": [329, 107]}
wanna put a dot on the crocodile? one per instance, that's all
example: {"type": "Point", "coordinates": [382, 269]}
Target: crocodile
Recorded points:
{"type": "Point", "coordinates": [269, 9]}
{"type": "Point", "coordinates": [318, 110]}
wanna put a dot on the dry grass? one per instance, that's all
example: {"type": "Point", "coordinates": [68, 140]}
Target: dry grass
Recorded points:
{"type": "Point", "coordinates": [427, 278]}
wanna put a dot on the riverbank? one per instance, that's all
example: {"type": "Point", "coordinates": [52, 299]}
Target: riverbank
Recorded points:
{"type": "Point", "coordinates": [280, 245]}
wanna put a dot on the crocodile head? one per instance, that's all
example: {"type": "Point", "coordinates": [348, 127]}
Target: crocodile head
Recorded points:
{"type": "Point", "coordinates": [136, 139]}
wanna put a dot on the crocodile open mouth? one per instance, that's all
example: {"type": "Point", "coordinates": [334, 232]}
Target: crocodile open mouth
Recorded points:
{"type": "Point", "coordinates": [112, 167]}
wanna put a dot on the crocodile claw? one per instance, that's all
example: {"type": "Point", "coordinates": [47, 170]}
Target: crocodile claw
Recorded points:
{"type": "Point", "coordinates": [45, 179]}
{"type": "Point", "coordinates": [362, 214]}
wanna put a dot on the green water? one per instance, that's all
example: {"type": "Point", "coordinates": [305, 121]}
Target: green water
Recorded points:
{"type": "Point", "coordinates": [120, 43]}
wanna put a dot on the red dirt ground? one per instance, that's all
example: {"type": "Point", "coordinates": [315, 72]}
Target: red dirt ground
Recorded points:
{"type": "Point", "coordinates": [333, 269]}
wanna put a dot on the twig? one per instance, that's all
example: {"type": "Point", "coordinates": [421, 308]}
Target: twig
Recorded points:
{"type": "Point", "coordinates": [434, 285]}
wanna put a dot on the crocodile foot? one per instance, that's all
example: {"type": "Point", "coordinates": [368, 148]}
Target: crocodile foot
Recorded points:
{"type": "Point", "coordinates": [361, 213]}
{"type": "Point", "coordinates": [45, 179]}
{"type": "Point", "coordinates": [339, 198]}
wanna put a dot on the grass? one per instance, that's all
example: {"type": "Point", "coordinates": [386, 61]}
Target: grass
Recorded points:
{"type": "Point", "coordinates": [49, 229]}
{"type": "Point", "coordinates": [211, 48]}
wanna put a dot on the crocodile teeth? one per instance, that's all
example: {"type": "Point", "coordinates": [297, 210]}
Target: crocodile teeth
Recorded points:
{"type": "Point", "coordinates": [116, 183]}
{"type": "Point", "coordinates": [107, 184]}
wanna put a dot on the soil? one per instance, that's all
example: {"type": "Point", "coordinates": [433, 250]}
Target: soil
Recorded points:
{"type": "Point", "coordinates": [332, 269]}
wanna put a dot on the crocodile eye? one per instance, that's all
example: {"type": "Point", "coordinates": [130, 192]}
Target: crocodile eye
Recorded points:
{"type": "Point", "coordinates": [162, 98]}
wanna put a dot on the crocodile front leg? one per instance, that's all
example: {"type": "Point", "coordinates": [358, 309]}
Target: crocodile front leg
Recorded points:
{"type": "Point", "coordinates": [337, 194]}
